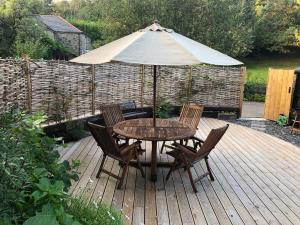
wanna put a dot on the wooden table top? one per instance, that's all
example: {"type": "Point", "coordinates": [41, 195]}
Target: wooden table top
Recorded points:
{"type": "Point", "coordinates": [165, 130]}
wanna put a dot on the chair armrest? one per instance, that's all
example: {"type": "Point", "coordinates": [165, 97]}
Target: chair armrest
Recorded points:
{"type": "Point", "coordinates": [197, 139]}
{"type": "Point", "coordinates": [184, 150]}
{"type": "Point", "coordinates": [127, 149]}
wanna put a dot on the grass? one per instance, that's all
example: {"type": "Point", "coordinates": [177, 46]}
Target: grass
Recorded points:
{"type": "Point", "coordinates": [257, 67]}
{"type": "Point", "coordinates": [94, 213]}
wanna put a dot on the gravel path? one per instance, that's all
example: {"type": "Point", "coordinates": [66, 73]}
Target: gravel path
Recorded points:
{"type": "Point", "coordinates": [272, 128]}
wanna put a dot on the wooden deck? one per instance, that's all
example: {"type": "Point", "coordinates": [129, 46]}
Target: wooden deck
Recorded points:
{"type": "Point", "coordinates": [257, 182]}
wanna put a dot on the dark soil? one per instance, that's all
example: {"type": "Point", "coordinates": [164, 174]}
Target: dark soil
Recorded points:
{"type": "Point", "coordinates": [272, 128]}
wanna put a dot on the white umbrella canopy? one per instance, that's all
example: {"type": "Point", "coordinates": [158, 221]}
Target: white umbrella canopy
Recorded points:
{"type": "Point", "coordinates": [156, 45]}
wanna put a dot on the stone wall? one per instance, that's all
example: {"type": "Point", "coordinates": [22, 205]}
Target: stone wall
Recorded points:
{"type": "Point", "coordinates": [78, 43]}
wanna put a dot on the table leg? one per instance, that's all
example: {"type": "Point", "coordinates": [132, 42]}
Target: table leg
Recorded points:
{"type": "Point", "coordinates": [154, 161]}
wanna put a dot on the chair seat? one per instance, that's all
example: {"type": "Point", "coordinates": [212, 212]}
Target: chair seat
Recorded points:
{"type": "Point", "coordinates": [176, 154]}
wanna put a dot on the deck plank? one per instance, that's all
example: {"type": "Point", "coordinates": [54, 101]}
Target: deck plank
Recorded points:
{"type": "Point", "coordinates": [257, 181]}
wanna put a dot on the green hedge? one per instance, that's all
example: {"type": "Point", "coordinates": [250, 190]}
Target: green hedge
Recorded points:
{"type": "Point", "coordinates": [254, 92]}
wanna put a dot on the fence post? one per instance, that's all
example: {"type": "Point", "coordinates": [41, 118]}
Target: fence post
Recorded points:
{"type": "Point", "coordinates": [189, 87]}
{"type": "Point", "coordinates": [142, 75]}
{"type": "Point", "coordinates": [93, 89]}
{"type": "Point", "coordinates": [242, 82]}
{"type": "Point", "coordinates": [29, 85]}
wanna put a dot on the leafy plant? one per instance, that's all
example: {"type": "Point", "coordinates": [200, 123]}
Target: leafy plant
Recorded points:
{"type": "Point", "coordinates": [32, 181]}
{"type": "Point", "coordinates": [163, 109]}
{"type": "Point", "coordinates": [282, 120]}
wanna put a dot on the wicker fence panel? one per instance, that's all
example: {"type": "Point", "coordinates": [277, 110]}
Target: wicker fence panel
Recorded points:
{"type": "Point", "coordinates": [172, 84]}
{"type": "Point", "coordinates": [65, 90]}
{"type": "Point", "coordinates": [62, 90]}
{"type": "Point", "coordinates": [216, 86]}
{"type": "Point", "coordinates": [115, 83]}
{"type": "Point", "coordinates": [13, 85]}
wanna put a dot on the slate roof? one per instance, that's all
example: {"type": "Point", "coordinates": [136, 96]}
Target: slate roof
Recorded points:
{"type": "Point", "coordinates": [58, 24]}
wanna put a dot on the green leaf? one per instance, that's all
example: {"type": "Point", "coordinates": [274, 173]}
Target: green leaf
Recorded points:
{"type": "Point", "coordinates": [38, 195]}
{"type": "Point", "coordinates": [44, 184]}
{"type": "Point", "coordinates": [48, 209]}
{"type": "Point", "coordinates": [42, 219]}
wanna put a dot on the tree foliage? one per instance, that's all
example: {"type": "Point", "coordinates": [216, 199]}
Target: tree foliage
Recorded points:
{"type": "Point", "coordinates": [277, 27]}
{"type": "Point", "coordinates": [21, 34]}
{"type": "Point", "coordinates": [235, 27]}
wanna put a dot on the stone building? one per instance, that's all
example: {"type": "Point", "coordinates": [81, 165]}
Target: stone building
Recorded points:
{"type": "Point", "coordinates": [64, 32]}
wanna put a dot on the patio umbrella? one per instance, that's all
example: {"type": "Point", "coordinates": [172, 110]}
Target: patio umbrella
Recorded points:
{"type": "Point", "coordinates": [156, 45]}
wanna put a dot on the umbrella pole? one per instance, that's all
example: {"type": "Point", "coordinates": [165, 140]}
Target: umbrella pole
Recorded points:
{"type": "Point", "coordinates": [154, 94]}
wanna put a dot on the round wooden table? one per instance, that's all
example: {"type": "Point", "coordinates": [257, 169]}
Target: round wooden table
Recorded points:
{"type": "Point", "coordinates": [165, 130]}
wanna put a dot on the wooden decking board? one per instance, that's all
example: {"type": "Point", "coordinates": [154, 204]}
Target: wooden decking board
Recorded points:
{"type": "Point", "coordinates": [260, 201]}
{"type": "Point", "coordinates": [280, 189]}
{"type": "Point", "coordinates": [267, 167]}
{"type": "Point", "coordinates": [102, 181]}
{"type": "Point", "coordinates": [161, 200]}
{"type": "Point", "coordinates": [172, 203]}
{"type": "Point", "coordinates": [84, 162]}
{"type": "Point", "coordinates": [271, 194]}
{"type": "Point", "coordinates": [139, 200]}
{"type": "Point", "coordinates": [257, 181]}
{"type": "Point", "coordinates": [221, 198]}
{"type": "Point", "coordinates": [213, 199]}
{"type": "Point", "coordinates": [184, 207]}
{"type": "Point", "coordinates": [258, 190]}
{"type": "Point", "coordinates": [242, 194]}
{"type": "Point", "coordinates": [268, 148]}
{"type": "Point", "coordinates": [150, 194]}
{"type": "Point", "coordinates": [279, 159]}
{"type": "Point", "coordinates": [86, 177]}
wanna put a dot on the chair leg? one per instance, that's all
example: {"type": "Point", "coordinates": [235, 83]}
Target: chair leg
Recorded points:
{"type": "Point", "coordinates": [209, 169]}
{"type": "Point", "coordinates": [162, 147]}
{"type": "Point", "coordinates": [192, 180]}
{"type": "Point", "coordinates": [101, 166]}
{"type": "Point", "coordinates": [171, 169]}
{"type": "Point", "coordinates": [125, 168]}
{"type": "Point", "coordinates": [140, 166]}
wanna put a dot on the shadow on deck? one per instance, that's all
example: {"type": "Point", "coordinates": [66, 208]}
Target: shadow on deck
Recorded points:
{"type": "Point", "coordinates": [257, 181]}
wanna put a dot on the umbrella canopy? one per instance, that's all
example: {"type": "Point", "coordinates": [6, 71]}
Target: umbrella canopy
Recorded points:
{"type": "Point", "coordinates": [156, 45]}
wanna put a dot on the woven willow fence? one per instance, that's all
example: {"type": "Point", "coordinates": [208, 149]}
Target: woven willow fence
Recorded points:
{"type": "Point", "coordinates": [66, 90]}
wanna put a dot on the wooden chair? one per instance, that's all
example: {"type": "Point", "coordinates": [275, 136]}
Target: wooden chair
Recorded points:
{"type": "Point", "coordinates": [186, 156]}
{"type": "Point", "coordinates": [296, 121]}
{"type": "Point", "coordinates": [190, 115]}
{"type": "Point", "coordinates": [112, 114]}
{"type": "Point", "coordinates": [110, 148]}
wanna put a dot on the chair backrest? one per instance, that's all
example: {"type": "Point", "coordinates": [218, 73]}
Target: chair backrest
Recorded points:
{"type": "Point", "coordinates": [211, 141]}
{"type": "Point", "coordinates": [130, 104]}
{"type": "Point", "coordinates": [191, 114]}
{"type": "Point", "coordinates": [112, 114]}
{"type": "Point", "coordinates": [104, 139]}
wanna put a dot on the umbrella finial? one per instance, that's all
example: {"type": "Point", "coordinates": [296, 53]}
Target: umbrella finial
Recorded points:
{"type": "Point", "coordinates": [156, 21]}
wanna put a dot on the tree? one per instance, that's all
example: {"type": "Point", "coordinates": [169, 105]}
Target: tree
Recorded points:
{"type": "Point", "coordinates": [277, 27]}
{"type": "Point", "coordinates": [15, 17]}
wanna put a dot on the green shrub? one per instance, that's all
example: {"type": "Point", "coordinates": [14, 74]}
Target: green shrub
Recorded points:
{"type": "Point", "coordinates": [282, 120]}
{"type": "Point", "coordinates": [254, 97]}
{"type": "Point", "coordinates": [33, 184]}
{"type": "Point", "coordinates": [163, 109]}
{"type": "Point", "coordinates": [254, 92]}
{"type": "Point", "coordinates": [93, 213]}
